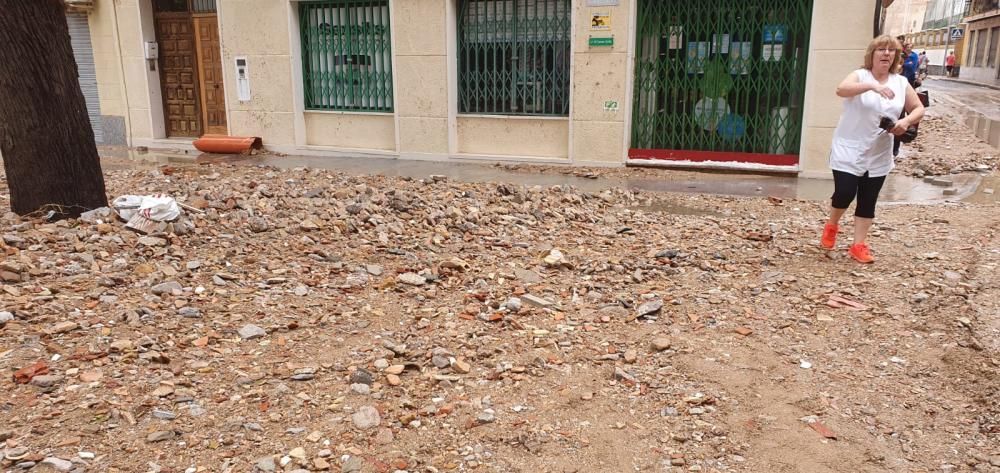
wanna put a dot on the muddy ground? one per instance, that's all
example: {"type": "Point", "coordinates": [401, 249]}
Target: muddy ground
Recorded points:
{"type": "Point", "coordinates": [305, 320]}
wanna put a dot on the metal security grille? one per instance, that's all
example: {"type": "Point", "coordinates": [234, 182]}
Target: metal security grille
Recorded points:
{"type": "Point", "coordinates": [717, 78]}
{"type": "Point", "coordinates": [193, 6]}
{"type": "Point", "coordinates": [83, 52]}
{"type": "Point", "coordinates": [203, 6]}
{"type": "Point", "coordinates": [346, 55]}
{"type": "Point", "coordinates": [513, 57]}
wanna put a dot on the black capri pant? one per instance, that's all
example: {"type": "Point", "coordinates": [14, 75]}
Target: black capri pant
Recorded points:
{"type": "Point", "coordinates": [846, 186]}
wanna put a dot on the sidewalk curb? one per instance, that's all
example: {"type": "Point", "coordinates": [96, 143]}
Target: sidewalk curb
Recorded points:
{"type": "Point", "coordinates": [967, 82]}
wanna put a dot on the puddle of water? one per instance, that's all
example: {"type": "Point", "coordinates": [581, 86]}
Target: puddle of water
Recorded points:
{"type": "Point", "coordinates": [898, 188]}
{"type": "Point", "coordinates": [134, 160]}
{"type": "Point", "coordinates": [740, 185]}
{"type": "Point", "coordinates": [986, 193]}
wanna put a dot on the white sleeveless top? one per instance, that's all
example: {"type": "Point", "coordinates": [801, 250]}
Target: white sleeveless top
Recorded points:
{"type": "Point", "coordinates": [859, 145]}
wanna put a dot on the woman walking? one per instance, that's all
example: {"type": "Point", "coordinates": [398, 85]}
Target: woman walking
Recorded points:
{"type": "Point", "coordinates": [861, 153]}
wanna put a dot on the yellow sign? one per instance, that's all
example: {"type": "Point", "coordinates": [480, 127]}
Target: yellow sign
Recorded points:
{"type": "Point", "coordinates": [600, 21]}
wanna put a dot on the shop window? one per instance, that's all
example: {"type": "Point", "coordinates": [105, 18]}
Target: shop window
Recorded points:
{"type": "Point", "coordinates": [346, 55]}
{"type": "Point", "coordinates": [981, 43]}
{"type": "Point", "coordinates": [513, 57]}
{"type": "Point", "coordinates": [195, 6]}
{"type": "Point", "coordinates": [171, 5]}
{"type": "Point", "coordinates": [970, 47]}
{"type": "Point", "coordinates": [203, 6]}
{"type": "Point", "coordinates": [991, 55]}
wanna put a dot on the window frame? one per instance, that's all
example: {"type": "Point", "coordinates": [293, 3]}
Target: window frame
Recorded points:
{"type": "Point", "coordinates": [342, 70]}
{"type": "Point", "coordinates": [504, 70]}
{"type": "Point", "coordinates": [991, 48]}
{"type": "Point", "coordinates": [980, 51]}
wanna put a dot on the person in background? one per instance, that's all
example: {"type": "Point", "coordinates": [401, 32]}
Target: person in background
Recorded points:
{"type": "Point", "coordinates": [861, 153]}
{"type": "Point", "coordinates": [911, 61]}
{"type": "Point", "coordinates": [922, 66]}
{"type": "Point", "coordinates": [949, 63]}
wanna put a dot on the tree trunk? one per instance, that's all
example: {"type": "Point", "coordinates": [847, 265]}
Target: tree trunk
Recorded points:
{"type": "Point", "coordinates": [46, 141]}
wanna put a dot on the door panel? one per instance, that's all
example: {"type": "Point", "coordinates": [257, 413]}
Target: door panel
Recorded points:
{"type": "Point", "coordinates": [178, 74]}
{"type": "Point", "coordinates": [213, 96]}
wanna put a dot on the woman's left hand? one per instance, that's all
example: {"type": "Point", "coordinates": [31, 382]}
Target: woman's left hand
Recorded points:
{"type": "Point", "coordinates": [900, 127]}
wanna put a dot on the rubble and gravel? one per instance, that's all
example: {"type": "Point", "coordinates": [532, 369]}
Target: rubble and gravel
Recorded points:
{"type": "Point", "coordinates": [308, 320]}
{"type": "Point", "coordinates": [946, 146]}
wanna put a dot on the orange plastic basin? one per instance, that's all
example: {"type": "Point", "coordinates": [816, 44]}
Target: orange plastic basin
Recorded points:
{"type": "Point", "coordinates": [225, 144]}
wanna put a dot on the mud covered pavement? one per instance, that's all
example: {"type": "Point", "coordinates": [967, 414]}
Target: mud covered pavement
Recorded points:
{"type": "Point", "coordinates": [314, 321]}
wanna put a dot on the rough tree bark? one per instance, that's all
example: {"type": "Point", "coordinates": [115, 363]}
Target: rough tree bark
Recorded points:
{"type": "Point", "coordinates": [46, 141]}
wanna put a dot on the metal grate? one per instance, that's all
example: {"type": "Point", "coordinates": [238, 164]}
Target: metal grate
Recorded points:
{"type": "Point", "coordinates": [346, 55]}
{"type": "Point", "coordinates": [720, 76]}
{"type": "Point", "coordinates": [190, 6]}
{"type": "Point", "coordinates": [513, 57]}
{"type": "Point", "coordinates": [203, 6]}
{"type": "Point", "coordinates": [83, 52]}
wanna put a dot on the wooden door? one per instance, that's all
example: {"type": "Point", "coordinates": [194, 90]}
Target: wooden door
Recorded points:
{"type": "Point", "coordinates": [179, 74]}
{"type": "Point", "coordinates": [213, 94]}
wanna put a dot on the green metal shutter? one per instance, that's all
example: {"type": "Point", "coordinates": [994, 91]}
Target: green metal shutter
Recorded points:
{"type": "Point", "coordinates": [346, 55]}
{"type": "Point", "coordinates": [513, 57]}
{"type": "Point", "coordinates": [720, 76]}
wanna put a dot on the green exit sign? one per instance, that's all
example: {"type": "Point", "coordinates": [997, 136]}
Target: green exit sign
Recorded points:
{"type": "Point", "coordinates": [602, 42]}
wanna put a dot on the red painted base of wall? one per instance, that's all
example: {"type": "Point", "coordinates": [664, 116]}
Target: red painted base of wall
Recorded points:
{"type": "Point", "coordinates": [717, 156]}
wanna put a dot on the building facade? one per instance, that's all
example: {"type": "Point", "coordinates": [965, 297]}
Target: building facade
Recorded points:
{"type": "Point", "coordinates": [904, 17]}
{"type": "Point", "coordinates": [941, 31]}
{"type": "Point", "coordinates": [745, 84]}
{"type": "Point", "coordinates": [983, 26]}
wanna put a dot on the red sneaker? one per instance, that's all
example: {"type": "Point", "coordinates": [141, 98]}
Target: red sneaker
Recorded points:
{"type": "Point", "coordinates": [829, 239]}
{"type": "Point", "coordinates": [861, 253]}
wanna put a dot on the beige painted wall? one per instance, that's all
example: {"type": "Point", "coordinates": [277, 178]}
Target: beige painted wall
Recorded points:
{"type": "Point", "coordinates": [258, 30]}
{"type": "Point", "coordinates": [544, 137]}
{"type": "Point", "coordinates": [841, 32]}
{"type": "Point", "coordinates": [120, 95]}
{"type": "Point", "coordinates": [344, 130]}
{"type": "Point", "coordinates": [421, 74]}
{"type": "Point", "coordinates": [599, 74]}
{"type": "Point", "coordinates": [102, 36]}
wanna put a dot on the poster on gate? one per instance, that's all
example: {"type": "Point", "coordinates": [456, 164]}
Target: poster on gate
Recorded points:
{"type": "Point", "coordinates": [740, 53]}
{"type": "Point", "coordinates": [720, 44]}
{"type": "Point", "coordinates": [676, 37]}
{"type": "Point", "coordinates": [772, 52]}
{"type": "Point", "coordinates": [696, 53]}
{"type": "Point", "coordinates": [774, 34]}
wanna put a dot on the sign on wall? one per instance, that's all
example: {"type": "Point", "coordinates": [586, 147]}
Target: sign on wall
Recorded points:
{"type": "Point", "coordinates": [600, 20]}
{"type": "Point", "coordinates": [601, 42]}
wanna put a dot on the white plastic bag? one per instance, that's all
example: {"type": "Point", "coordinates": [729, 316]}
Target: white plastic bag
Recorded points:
{"type": "Point", "coordinates": [159, 208]}
{"type": "Point", "coordinates": [147, 214]}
